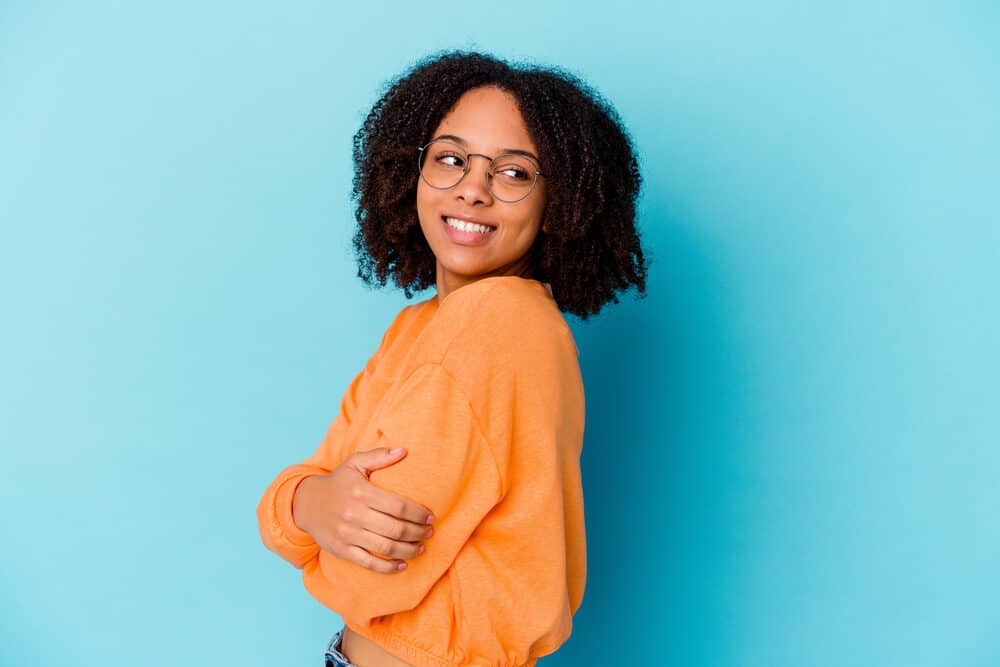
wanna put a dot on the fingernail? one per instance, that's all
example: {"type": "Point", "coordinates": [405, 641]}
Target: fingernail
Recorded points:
{"type": "Point", "coordinates": [401, 566]}
{"type": "Point", "coordinates": [421, 550]}
{"type": "Point", "coordinates": [395, 451]}
{"type": "Point", "coordinates": [430, 531]}
{"type": "Point", "coordinates": [430, 518]}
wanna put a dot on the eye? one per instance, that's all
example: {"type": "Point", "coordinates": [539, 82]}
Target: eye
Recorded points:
{"type": "Point", "coordinates": [514, 172]}
{"type": "Point", "coordinates": [450, 160]}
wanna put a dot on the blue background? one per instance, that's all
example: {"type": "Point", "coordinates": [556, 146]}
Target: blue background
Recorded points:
{"type": "Point", "coordinates": [793, 444]}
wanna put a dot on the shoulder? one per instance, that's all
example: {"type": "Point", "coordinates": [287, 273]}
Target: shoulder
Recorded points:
{"type": "Point", "coordinates": [504, 305]}
{"type": "Point", "coordinates": [504, 320]}
{"type": "Point", "coordinates": [410, 315]}
{"type": "Point", "coordinates": [504, 295]}
{"type": "Point", "coordinates": [407, 322]}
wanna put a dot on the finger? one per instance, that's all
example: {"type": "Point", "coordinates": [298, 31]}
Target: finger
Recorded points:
{"type": "Point", "coordinates": [397, 506]}
{"type": "Point", "coordinates": [390, 527]}
{"type": "Point", "coordinates": [386, 547]}
{"type": "Point", "coordinates": [356, 554]}
{"type": "Point", "coordinates": [380, 457]}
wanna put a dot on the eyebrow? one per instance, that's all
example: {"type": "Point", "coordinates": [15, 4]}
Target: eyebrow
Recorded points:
{"type": "Point", "coordinates": [503, 151]}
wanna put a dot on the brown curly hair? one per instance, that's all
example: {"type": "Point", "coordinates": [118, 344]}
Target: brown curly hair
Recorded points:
{"type": "Point", "coordinates": [589, 247]}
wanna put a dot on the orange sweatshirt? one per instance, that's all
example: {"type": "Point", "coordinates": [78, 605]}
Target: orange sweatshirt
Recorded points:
{"type": "Point", "coordinates": [485, 392]}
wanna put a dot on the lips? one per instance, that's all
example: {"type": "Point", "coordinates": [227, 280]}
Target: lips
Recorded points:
{"type": "Point", "coordinates": [461, 221]}
{"type": "Point", "coordinates": [467, 233]}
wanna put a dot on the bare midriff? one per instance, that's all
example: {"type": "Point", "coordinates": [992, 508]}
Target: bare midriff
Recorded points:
{"type": "Point", "coordinates": [363, 652]}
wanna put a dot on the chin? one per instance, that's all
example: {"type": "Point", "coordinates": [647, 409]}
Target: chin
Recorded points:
{"type": "Point", "coordinates": [466, 261]}
{"type": "Point", "coordinates": [466, 270]}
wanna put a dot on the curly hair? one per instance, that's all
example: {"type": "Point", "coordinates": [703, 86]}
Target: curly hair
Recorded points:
{"type": "Point", "coordinates": [588, 249]}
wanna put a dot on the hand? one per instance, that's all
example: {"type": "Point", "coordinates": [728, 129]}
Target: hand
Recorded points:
{"type": "Point", "coordinates": [353, 519]}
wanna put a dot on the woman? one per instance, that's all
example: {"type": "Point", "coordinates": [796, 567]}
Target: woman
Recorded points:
{"type": "Point", "coordinates": [511, 190]}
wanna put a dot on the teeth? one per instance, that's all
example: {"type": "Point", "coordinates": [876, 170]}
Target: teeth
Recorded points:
{"type": "Point", "coordinates": [464, 226]}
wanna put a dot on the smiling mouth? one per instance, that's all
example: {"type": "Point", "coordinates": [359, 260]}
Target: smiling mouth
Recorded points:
{"type": "Point", "coordinates": [464, 226]}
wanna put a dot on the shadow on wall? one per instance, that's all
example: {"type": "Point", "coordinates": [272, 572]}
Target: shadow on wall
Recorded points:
{"type": "Point", "coordinates": [663, 399]}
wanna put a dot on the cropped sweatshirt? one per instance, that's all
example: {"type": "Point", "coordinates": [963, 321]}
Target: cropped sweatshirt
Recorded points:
{"type": "Point", "coordinates": [484, 390]}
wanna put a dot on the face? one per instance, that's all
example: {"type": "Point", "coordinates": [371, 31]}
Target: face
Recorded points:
{"type": "Point", "coordinates": [485, 121]}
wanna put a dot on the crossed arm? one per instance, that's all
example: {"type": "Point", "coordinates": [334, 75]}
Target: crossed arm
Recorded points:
{"type": "Point", "coordinates": [449, 469]}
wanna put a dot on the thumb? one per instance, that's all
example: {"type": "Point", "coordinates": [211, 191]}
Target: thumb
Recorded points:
{"type": "Point", "coordinates": [380, 457]}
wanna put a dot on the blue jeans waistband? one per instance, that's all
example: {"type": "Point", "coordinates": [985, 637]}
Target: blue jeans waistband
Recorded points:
{"type": "Point", "coordinates": [333, 656]}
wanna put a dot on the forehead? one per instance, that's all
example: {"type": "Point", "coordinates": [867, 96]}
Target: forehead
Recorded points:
{"type": "Point", "coordinates": [488, 119]}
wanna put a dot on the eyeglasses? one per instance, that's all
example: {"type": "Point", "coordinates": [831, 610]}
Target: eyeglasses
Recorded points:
{"type": "Point", "coordinates": [510, 177]}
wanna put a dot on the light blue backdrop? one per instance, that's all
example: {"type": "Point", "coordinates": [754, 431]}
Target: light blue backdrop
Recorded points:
{"type": "Point", "coordinates": [792, 453]}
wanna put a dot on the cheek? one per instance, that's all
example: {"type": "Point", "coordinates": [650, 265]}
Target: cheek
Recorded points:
{"type": "Point", "coordinates": [421, 194]}
{"type": "Point", "coordinates": [538, 213]}
{"type": "Point", "coordinates": [540, 202]}
{"type": "Point", "coordinates": [425, 201]}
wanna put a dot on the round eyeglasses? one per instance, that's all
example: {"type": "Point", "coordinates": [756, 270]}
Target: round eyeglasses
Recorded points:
{"type": "Point", "coordinates": [510, 177]}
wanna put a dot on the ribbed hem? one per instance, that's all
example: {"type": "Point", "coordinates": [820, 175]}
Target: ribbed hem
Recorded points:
{"type": "Point", "coordinates": [407, 652]}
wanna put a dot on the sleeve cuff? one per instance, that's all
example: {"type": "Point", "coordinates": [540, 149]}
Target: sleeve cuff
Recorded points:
{"type": "Point", "coordinates": [283, 500]}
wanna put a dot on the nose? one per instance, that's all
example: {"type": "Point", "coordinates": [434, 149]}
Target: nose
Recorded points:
{"type": "Point", "coordinates": [472, 189]}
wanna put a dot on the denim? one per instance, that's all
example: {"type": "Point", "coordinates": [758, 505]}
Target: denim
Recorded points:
{"type": "Point", "coordinates": [334, 658]}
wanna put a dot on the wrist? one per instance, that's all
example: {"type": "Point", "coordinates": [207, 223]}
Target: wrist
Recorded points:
{"type": "Point", "coordinates": [301, 504]}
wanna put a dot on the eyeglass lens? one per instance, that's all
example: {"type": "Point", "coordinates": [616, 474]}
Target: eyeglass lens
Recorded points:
{"type": "Point", "coordinates": [510, 177]}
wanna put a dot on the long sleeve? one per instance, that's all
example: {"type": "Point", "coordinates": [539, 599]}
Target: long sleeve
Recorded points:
{"type": "Point", "coordinates": [449, 468]}
{"type": "Point", "coordinates": [484, 390]}
{"type": "Point", "coordinates": [274, 512]}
